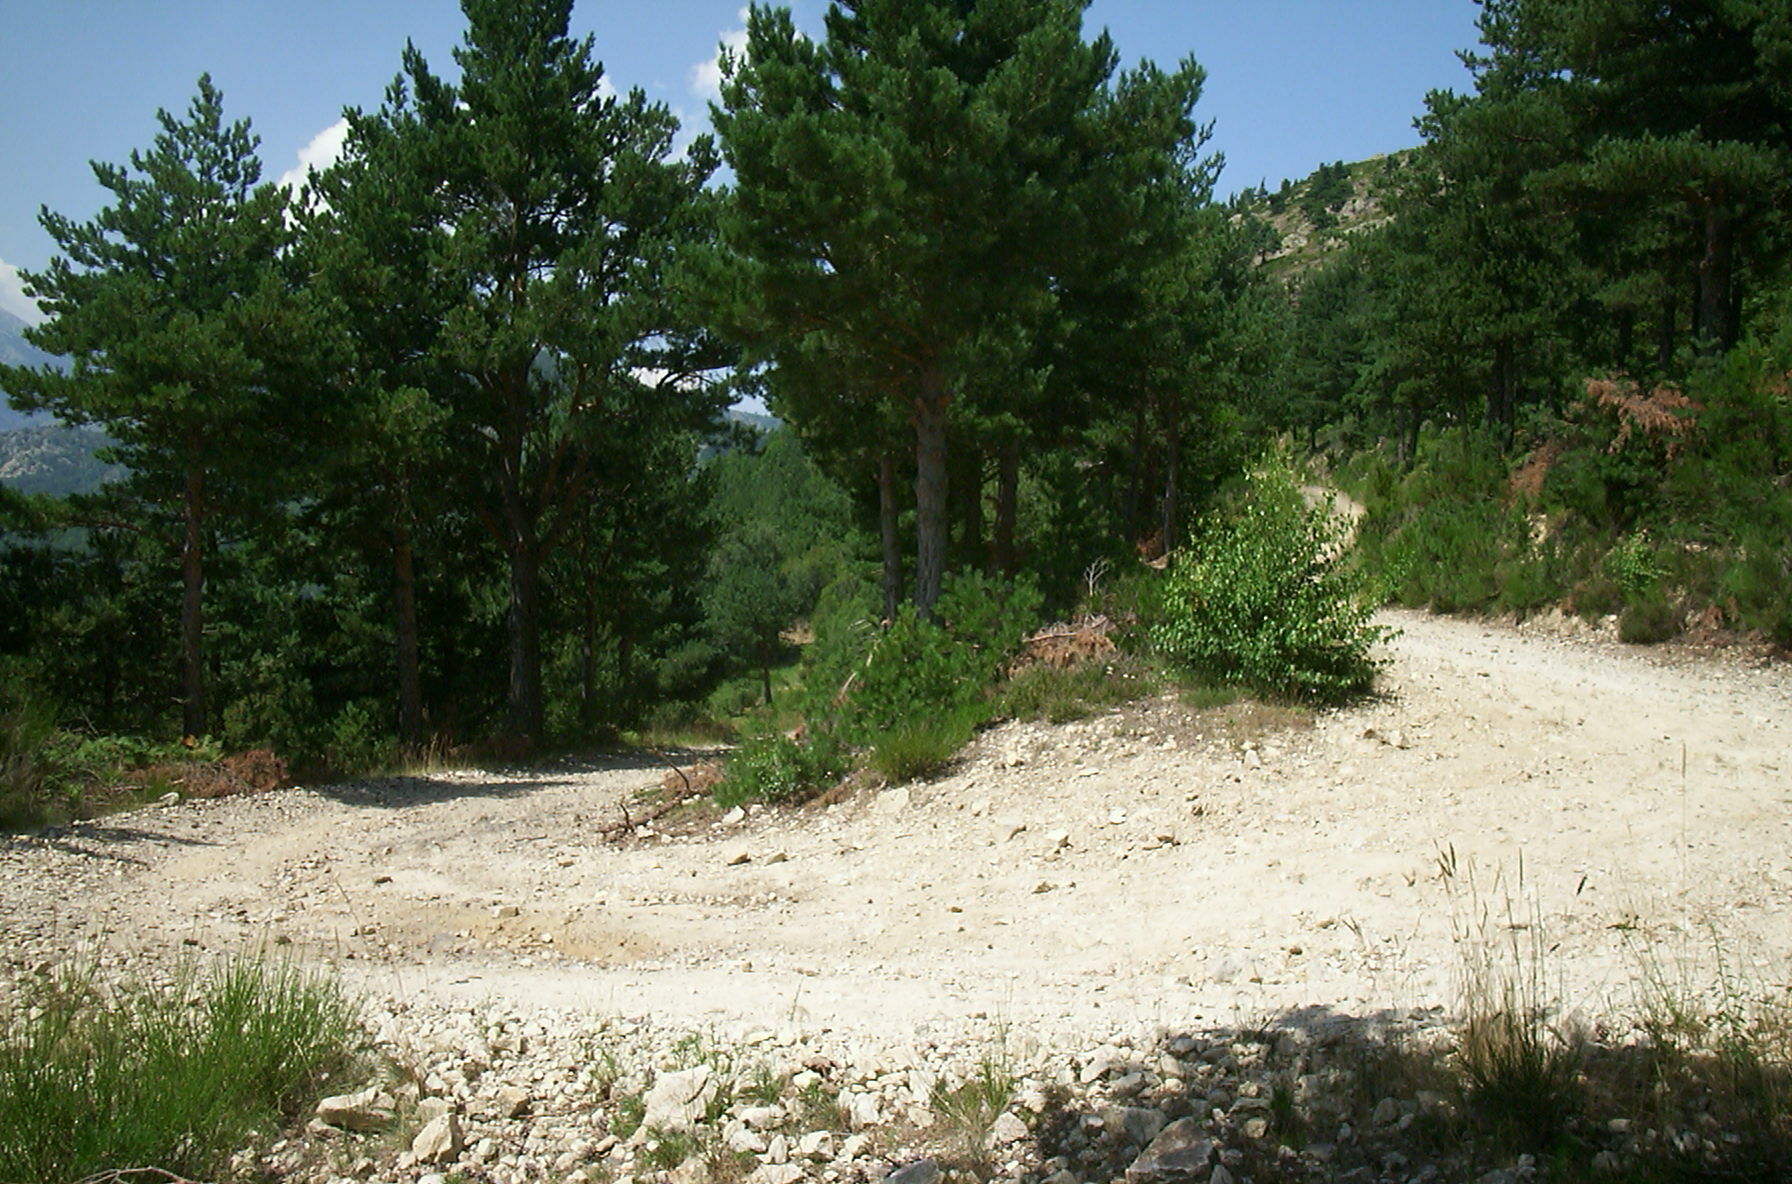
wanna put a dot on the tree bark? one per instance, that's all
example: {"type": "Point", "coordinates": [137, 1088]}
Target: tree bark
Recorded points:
{"type": "Point", "coordinates": [1007, 509]}
{"type": "Point", "coordinates": [587, 652]}
{"type": "Point", "coordinates": [1136, 484]}
{"type": "Point", "coordinates": [886, 525]}
{"type": "Point", "coordinates": [1665, 328]}
{"type": "Point", "coordinates": [524, 626]}
{"type": "Point", "coordinates": [971, 499]}
{"type": "Point", "coordinates": [930, 488]}
{"type": "Point", "coordinates": [1502, 397]}
{"type": "Point", "coordinates": [192, 611]}
{"type": "Point", "coordinates": [410, 681]}
{"type": "Point", "coordinates": [1717, 331]}
{"type": "Point", "coordinates": [1172, 507]}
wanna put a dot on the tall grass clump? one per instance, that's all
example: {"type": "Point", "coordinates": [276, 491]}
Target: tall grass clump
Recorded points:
{"type": "Point", "coordinates": [908, 693]}
{"type": "Point", "coordinates": [1519, 1070]}
{"type": "Point", "coordinates": [27, 777]}
{"type": "Point", "coordinates": [1265, 600]}
{"type": "Point", "coordinates": [1062, 694]}
{"type": "Point", "coordinates": [968, 1110]}
{"type": "Point", "coordinates": [96, 1078]}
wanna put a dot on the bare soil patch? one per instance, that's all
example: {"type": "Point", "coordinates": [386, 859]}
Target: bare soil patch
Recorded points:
{"type": "Point", "coordinates": [1155, 868]}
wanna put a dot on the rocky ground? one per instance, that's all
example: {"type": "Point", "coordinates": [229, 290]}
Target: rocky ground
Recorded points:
{"type": "Point", "coordinates": [1187, 936]}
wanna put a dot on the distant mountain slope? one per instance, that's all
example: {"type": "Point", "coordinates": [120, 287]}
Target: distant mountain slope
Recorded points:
{"type": "Point", "coordinates": [16, 351]}
{"type": "Point", "coordinates": [1317, 214]}
{"type": "Point", "coordinates": [56, 459]}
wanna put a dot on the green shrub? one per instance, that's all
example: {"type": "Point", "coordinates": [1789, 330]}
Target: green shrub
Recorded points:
{"type": "Point", "coordinates": [776, 768]}
{"type": "Point", "coordinates": [1651, 620]}
{"type": "Point", "coordinates": [919, 669]}
{"type": "Point", "coordinates": [1264, 600]}
{"type": "Point", "coordinates": [1755, 580]}
{"type": "Point", "coordinates": [1597, 596]}
{"type": "Point", "coordinates": [176, 1077]}
{"type": "Point", "coordinates": [1528, 580]}
{"type": "Point", "coordinates": [925, 745]}
{"type": "Point", "coordinates": [1062, 694]}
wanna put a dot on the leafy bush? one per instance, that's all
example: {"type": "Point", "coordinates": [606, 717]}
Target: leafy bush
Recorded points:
{"type": "Point", "coordinates": [178, 1077]}
{"type": "Point", "coordinates": [777, 768]}
{"type": "Point", "coordinates": [920, 669]}
{"type": "Point", "coordinates": [1635, 567]}
{"type": "Point", "coordinates": [1264, 600]}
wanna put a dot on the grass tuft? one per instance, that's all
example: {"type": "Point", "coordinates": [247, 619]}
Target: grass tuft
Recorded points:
{"type": "Point", "coordinates": [968, 1110]}
{"type": "Point", "coordinates": [93, 1077]}
{"type": "Point", "coordinates": [1519, 1071]}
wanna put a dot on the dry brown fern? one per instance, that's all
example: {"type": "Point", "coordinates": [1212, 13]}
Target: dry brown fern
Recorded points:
{"type": "Point", "coordinates": [1661, 413]}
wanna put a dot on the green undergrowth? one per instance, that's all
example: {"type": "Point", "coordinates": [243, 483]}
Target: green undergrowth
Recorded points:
{"type": "Point", "coordinates": [51, 774]}
{"type": "Point", "coordinates": [1663, 508]}
{"type": "Point", "coordinates": [97, 1076]}
{"type": "Point", "coordinates": [1263, 604]}
{"type": "Point", "coordinates": [1063, 694]}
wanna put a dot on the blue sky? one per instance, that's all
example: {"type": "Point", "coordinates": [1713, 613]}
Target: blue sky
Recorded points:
{"type": "Point", "coordinates": [1291, 83]}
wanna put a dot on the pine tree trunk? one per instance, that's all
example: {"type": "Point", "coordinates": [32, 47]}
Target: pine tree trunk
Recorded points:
{"type": "Point", "coordinates": [1665, 328]}
{"type": "Point", "coordinates": [930, 489]}
{"type": "Point", "coordinates": [886, 525]}
{"type": "Point", "coordinates": [192, 610]}
{"type": "Point", "coordinates": [410, 681]}
{"type": "Point", "coordinates": [1136, 483]}
{"type": "Point", "coordinates": [1171, 526]}
{"type": "Point", "coordinates": [1007, 509]}
{"type": "Point", "coordinates": [588, 662]}
{"type": "Point", "coordinates": [1502, 397]}
{"type": "Point", "coordinates": [1717, 331]}
{"type": "Point", "coordinates": [971, 499]}
{"type": "Point", "coordinates": [525, 644]}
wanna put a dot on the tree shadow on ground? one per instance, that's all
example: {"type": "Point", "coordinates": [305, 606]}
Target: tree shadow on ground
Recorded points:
{"type": "Point", "coordinates": [504, 782]}
{"type": "Point", "coordinates": [1320, 1094]}
{"type": "Point", "coordinates": [94, 841]}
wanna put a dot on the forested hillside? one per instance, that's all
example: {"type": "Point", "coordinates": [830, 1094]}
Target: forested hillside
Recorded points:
{"type": "Point", "coordinates": [433, 453]}
{"type": "Point", "coordinates": [1558, 373]}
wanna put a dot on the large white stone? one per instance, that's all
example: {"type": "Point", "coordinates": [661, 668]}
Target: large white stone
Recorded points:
{"type": "Point", "coordinates": [678, 1101]}
{"type": "Point", "coordinates": [366, 1110]}
{"type": "Point", "coordinates": [438, 1141]}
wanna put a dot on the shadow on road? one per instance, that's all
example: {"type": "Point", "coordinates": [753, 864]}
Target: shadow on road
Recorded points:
{"type": "Point", "coordinates": [94, 841]}
{"type": "Point", "coordinates": [423, 789]}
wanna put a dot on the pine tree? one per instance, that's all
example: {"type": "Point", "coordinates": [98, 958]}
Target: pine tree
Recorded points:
{"type": "Point", "coordinates": [561, 208]}
{"type": "Point", "coordinates": [911, 192]}
{"type": "Point", "coordinates": [193, 342]}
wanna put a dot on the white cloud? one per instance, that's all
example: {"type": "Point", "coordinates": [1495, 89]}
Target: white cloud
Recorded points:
{"type": "Point", "coordinates": [13, 298]}
{"type": "Point", "coordinates": [706, 77]}
{"type": "Point", "coordinates": [323, 150]}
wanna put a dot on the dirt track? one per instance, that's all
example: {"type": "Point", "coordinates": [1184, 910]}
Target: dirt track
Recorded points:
{"type": "Point", "coordinates": [1154, 867]}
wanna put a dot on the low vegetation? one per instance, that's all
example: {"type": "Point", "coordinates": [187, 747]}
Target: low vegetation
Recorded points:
{"type": "Point", "coordinates": [175, 1076]}
{"type": "Point", "coordinates": [1662, 510]}
{"type": "Point", "coordinates": [1264, 599]}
